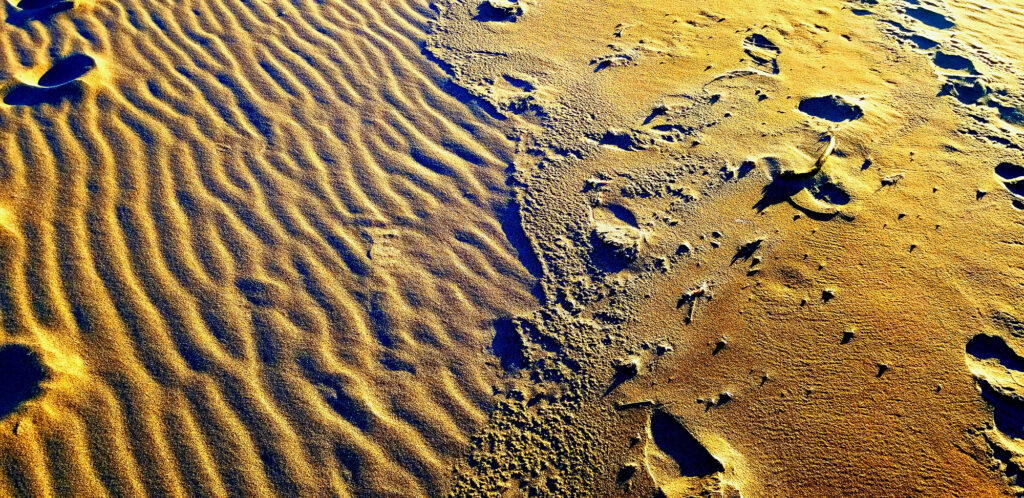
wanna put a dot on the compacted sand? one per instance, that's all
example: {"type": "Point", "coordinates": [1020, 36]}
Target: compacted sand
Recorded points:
{"type": "Point", "coordinates": [533, 247]}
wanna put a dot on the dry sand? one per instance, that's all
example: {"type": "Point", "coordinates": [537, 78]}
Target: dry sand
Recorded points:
{"type": "Point", "coordinates": [512, 247]}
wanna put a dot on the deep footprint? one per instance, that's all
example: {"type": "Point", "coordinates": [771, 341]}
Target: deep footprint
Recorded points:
{"type": "Point", "coordinates": [66, 70]}
{"type": "Point", "coordinates": [830, 107]}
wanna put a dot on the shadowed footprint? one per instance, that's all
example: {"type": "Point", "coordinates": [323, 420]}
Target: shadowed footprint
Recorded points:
{"type": "Point", "coordinates": [21, 373]}
{"type": "Point", "coordinates": [57, 84]}
{"type": "Point", "coordinates": [499, 11]}
{"type": "Point", "coordinates": [1012, 177]}
{"type": "Point", "coordinates": [1009, 171]}
{"type": "Point", "coordinates": [675, 459]}
{"type": "Point", "coordinates": [954, 62]}
{"type": "Point", "coordinates": [28, 95]}
{"type": "Point", "coordinates": [830, 107]}
{"type": "Point", "coordinates": [930, 17]}
{"type": "Point", "coordinates": [67, 70]}
{"type": "Point", "coordinates": [35, 10]}
{"type": "Point", "coordinates": [35, 4]}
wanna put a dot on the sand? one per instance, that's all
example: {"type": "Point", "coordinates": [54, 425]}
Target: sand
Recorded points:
{"type": "Point", "coordinates": [523, 247]}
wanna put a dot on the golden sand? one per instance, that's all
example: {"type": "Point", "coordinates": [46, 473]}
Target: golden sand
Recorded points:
{"type": "Point", "coordinates": [511, 247]}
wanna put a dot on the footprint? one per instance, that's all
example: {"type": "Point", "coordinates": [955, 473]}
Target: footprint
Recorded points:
{"type": "Point", "coordinates": [57, 84]}
{"type": "Point", "coordinates": [1012, 177]}
{"type": "Point", "coordinates": [66, 70]}
{"type": "Point", "coordinates": [996, 366]}
{"type": "Point", "coordinates": [830, 107]}
{"type": "Point", "coordinates": [499, 11]}
{"type": "Point", "coordinates": [614, 60]}
{"type": "Point", "coordinates": [954, 62]}
{"type": "Point", "coordinates": [675, 459]}
{"type": "Point", "coordinates": [930, 18]}
{"type": "Point", "coordinates": [35, 10]}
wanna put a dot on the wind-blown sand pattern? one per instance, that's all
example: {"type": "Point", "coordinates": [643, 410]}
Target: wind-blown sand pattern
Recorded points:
{"type": "Point", "coordinates": [258, 247]}
{"type": "Point", "coordinates": [511, 247]}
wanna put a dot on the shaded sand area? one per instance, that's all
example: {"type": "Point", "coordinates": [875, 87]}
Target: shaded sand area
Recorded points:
{"type": "Point", "coordinates": [248, 248]}
{"type": "Point", "coordinates": [533, 247]}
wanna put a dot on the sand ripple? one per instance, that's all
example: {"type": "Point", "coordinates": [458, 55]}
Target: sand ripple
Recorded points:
{"type": "Point", "coordinates": [258, 248]}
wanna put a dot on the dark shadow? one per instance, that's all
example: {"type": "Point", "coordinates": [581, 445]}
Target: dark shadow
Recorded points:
{"type": "Point", "coordinates": [27, 95]}
{"type": "Point", "coordinates": [625, 474]}
{"type": "Point", "coordinates": [746, 251]}
{"type": "Point", "coordinates": [622, 374]}
{"type": "Point", "coordinates": [1007, 411]}
{"type": "Point", "coordinates": [953, 62]}
{"type": "Point", "coordinates": [609, 257]}
{"type": "Point", "coordinates": [930, 17]}
{"type": "Point", "coordinates": [779, 190]}
{"type": "Point", "coordinates": [35, 4]}
{"type": "Point", "coordinates": [508, 345]}
{"type": "Point", "coordinates": [21, 17]}
{"type": "Point", "coordinates": [830, 107]}
{"type": "Point", "coordinates": [495, 12]}
{"type": "Point", "coordinates": [759, 48]}
{"type": "Point", "coordinates": [21, 373]}
{"type": "Point", "coordinates": [1016, 186]}
{"type": "Point", "coordinates": [67, 70]}
{"type": "Point", "coordinates": [623, 214]}
{"type": "Point", "coordinates": [620, 139]}
{"type": "Point", "coordinates": [826, 191]}
{"type": "Point", "coordinates": [672, 438]}
{"type": "Point", "coordinates": [511, 224]}
{"type": "Point", "coordinates": [1009, 171]}
{"type": "Point", "coordinates": [987, 347]}
{"type": "Point", "coordinates": [923, 42]}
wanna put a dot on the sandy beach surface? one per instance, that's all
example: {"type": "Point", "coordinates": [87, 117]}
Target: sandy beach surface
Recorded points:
{"type": "Point", "coordinates": [512, 248]}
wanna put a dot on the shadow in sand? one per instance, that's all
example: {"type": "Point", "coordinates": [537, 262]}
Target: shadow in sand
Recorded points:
{"type": "Point", "coordinates": [66, 70]}
{"type": "Point", "coordinates": [498, 11]}
{"type": "Point", "coordinates": [28, 95]}
{"type": "Point", "coordinates": [21, 373]}
{"type": "Point", "coordinates": [783, 188]}
{"type": "Point", "coordinates": [35, 10]}
{"type": "Point", "coordinates": [675, 440]}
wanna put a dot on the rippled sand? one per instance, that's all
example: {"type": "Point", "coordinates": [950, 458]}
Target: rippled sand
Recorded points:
{"type": "Point", "coordinates": [520, 247]}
